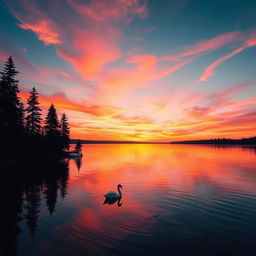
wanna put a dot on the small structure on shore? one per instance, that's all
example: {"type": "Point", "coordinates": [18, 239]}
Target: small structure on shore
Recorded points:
{"type": "Point", "coordinates": [77, 152]}
{"type": "Point", "coordinates": [74, 154]}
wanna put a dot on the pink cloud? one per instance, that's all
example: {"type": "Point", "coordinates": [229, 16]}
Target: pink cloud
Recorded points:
{"type": "Point", "coordinates": [144, 62]}
{"type": "Point", "coordinates": [113, 10]}
{"type": "Point", "coordinates": [210, 69]}
{"type": "Point", "coordinates": [249, 40]}
{"type": "Point", "coordinates": [145, 70]}
{"type": "Point", "coordinates": [91, 50]}
{"type": "Point", "coordinates": [205, 45]}
{"type": "Point", "coordinates": [32, 17]}
{"type": "Point", "coordinates": [44, 30]}
{"type": "Point", "coordinates": [91, 39]}
{"type": "Point", "coordinates": [218, 102]}
{"type": "Point", "coordinates": [3, 57]}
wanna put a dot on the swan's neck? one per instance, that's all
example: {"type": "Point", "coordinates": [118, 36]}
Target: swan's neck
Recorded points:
{"type": "Point", "coordinates": [119, 190]}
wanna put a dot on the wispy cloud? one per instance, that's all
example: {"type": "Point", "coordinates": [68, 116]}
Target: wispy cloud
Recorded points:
{"type": "Point", "coordinates": [249, 40]}
{"type": "Point", "coordinates": [205, 46]}
{"type": "Point", "coordinates": [43, 29]}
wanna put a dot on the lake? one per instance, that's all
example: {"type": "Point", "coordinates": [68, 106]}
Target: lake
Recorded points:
{"type": "Point", "coordinates": [177, 200]}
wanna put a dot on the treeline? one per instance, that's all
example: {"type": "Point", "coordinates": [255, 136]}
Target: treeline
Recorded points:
{"type": "Point", "coordinates": [23, 130]}
{"type": "Point", "coordinates": [220, 141]}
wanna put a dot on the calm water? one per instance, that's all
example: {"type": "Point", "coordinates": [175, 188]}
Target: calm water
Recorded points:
{"type": "Point", "coordinates": [177, 200]}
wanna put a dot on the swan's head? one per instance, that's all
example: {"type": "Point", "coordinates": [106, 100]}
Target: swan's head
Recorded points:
{"type": "Point", "coordinates": [119, 186]}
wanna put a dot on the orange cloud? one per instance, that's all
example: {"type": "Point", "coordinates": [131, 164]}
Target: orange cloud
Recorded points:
{"type": "Point", "coordinates": [92, 49]}
{"type": "Point", "coordinates": [32, 17]}
{"type": "Point", "coordinates": [62, 103]}
{"type": "Point", "coordinates": [44, 30]}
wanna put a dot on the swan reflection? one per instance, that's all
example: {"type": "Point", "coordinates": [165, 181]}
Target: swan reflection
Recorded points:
{"type": "Point", "coordinates": [113, 201]}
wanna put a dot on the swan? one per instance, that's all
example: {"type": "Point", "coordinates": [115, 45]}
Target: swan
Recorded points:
{"type": "Point", "coordinates": [113, 195]}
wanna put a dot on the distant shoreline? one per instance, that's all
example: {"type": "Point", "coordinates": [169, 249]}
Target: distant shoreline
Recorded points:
{"type": "Point", "coordinates": [223, 142]}
{"type": "Point", "coordinates": [217, 142]}
{"type": "Point", "coordinates": [212, 144]}
{"type": "Point", "coordinates": [73, 141]}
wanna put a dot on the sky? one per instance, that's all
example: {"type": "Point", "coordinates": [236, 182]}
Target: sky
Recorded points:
{"type": "Point", "coordinates": [143, 70]}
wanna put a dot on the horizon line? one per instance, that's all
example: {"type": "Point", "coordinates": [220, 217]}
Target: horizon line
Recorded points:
{"type": "Point", "coordinates": [203, 141]}
{"type": "Point", "coordinates": [118, 141]}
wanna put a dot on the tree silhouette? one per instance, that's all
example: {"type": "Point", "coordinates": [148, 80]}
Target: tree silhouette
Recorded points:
{"type": "Point", "coordinates": [10, 213]}
{"type": "Point", "coordinates": [51, 127]}
{"type": "Point", "coordinates": [52, 138]}
{"type": "Point", "coordinates": [51, 188]}
{"type": "Point", "coordinates": [33, 118]}
{"type": "Point", "coordinates": [14, 123]}
{"type": "Point", "coordinates": [64, 131]}
{"type": "Point", "coordinates": [63, 178]}
{"type": "Point", "coordinates": [78, 162]}
{"type": "Point", "coordinates": [33, 199]}
{"type": "Point", "coordinates": [11, 108]}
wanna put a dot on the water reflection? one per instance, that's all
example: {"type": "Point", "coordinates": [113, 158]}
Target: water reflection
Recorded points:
{"type": "Point", "coordinates": [179, 200]}
{"type": "Point", "coordinates": [23, 194]}
{"type": "Point", "coordinates": [113, 201]}
{"type": "Point", "coordinates": [78, 162]}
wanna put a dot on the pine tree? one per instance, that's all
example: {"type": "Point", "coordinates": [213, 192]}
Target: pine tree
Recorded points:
{"type": "Point", "coordinates": [52, 139]}
{"type": "Point", "coordinates": [11, 108]}
{"type": "Point", "coordinates": [33, 118]}
{"type": "Point", "coordinates": [8, 82]}
{"type": "Point", "coordinates": [64, 131]}
{"type": "Point", "coordinates": [51, 127]}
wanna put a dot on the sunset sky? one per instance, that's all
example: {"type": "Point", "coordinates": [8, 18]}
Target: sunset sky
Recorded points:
{"type": "Point", "coordinates": [156, 70]}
